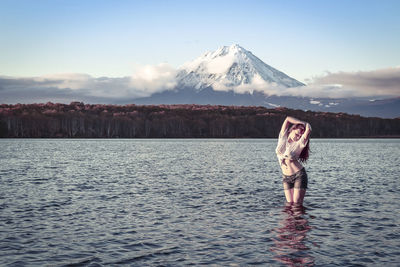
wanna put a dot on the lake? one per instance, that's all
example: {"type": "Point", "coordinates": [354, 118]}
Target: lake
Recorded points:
{"type": "Point", "coordinates": [179, 202]}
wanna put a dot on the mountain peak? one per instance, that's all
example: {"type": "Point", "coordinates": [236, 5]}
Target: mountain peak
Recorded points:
{"type": "Point", "coordinates": [235, 48]}
{"type": "Point", "coordinates": [229, 67]}
{"type": "Point", "coordinates": [222, 51]}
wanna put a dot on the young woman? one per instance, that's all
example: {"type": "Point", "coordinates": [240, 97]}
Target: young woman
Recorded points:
{"type": "Point", "coordinates": [292, 150]}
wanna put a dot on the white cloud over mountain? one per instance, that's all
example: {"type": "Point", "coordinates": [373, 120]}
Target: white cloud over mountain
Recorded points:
{"type": "Point", "coordinates": [257, 84]}
{"type": "Point", "coordinates": [377, 83]}
{"type": "Point", "coordinates": [151, 79]}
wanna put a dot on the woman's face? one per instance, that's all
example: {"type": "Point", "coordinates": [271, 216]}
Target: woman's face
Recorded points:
{"type": "Point", "coordinates": [296, 132]}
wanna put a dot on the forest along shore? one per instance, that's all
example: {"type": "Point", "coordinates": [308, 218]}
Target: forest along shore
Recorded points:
{"type": "Point", "coordinates": [79, 120]}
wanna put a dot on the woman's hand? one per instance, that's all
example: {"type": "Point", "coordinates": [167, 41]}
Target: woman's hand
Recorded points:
{"type": "Point", "coordinates": [284, 162]}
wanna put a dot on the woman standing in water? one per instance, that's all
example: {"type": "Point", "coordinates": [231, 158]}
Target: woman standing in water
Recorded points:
{"type": "Point", "coordinates": [292, 150]}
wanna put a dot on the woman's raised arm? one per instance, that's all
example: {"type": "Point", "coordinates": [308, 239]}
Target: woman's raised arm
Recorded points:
{"type": "Point", "coordinates": [307, 132]}
{"type": "Point", "coordinates": [295, 121]}
{"type": "Point", "coordinates": [289, 120]}
{"type": "Point", "coordinates": [285, 126]}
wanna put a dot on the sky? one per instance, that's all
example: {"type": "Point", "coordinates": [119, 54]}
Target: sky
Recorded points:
{"type": "Point", "coordinates": [308, 40]}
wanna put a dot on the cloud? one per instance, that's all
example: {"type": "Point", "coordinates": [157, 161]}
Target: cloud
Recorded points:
{"type": "Point", "coordinates": [64, 80]}
{"type": "Point", "coordinates": [66, 87]}
{"type": "Point", "coordinates": [257, 84]}
{"type": "Point", "coordinates": [376, 83]}
{"type": "Point", "coordinates": [150, 79]}
{"type": "Point", "coordinates": [379, 83]}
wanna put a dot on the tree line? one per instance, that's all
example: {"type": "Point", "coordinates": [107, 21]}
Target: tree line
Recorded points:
{"type": "Point", "coordinates": [79, 120]}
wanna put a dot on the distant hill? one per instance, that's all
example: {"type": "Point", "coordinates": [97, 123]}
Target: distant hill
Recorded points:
{"type": "Point", "coordinates": [79, 120]}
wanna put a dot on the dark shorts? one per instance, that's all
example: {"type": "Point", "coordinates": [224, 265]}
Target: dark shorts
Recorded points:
{"type": "Point", "coordinates": [297, 180]}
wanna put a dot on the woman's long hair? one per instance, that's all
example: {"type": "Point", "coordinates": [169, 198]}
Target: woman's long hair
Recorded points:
{"type": "Point", "coordinates": [305, 153]}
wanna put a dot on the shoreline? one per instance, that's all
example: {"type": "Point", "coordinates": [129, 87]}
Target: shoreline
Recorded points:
{"type": "Point", "coordinates": [199, 138]}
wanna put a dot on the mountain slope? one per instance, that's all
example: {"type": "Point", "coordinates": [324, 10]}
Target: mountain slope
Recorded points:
{"type": "Point", "coordinates": [230, 67]}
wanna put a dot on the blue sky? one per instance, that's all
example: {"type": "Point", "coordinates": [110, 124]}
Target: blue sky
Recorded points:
{"type": "Point", "coordinates": [110, 38]}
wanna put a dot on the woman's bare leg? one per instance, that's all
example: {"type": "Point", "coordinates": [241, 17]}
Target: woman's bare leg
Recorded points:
{"type": "Point", "coordinates": [289, 195]}
{"type": "Point", "coordinates": [298, 195]}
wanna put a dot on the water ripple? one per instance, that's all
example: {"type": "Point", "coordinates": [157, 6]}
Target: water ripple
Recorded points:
{"type": "Point", "coordinates": [195, 202]}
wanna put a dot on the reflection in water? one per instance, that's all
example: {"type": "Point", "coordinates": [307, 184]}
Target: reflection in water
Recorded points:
{"type": "Point", "coordinates": [291, 235]}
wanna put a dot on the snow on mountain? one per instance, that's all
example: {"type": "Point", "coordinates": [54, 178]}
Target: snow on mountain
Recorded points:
{"type": "Point", "coordinates": [232, 68]}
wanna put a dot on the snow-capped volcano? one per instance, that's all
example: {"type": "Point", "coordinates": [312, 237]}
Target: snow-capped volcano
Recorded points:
{"type": "Point", "coordinates": [231, 67]}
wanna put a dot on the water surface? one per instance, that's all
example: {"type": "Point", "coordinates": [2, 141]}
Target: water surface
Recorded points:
{"type": "Point", "coordinates": [195, 202]}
